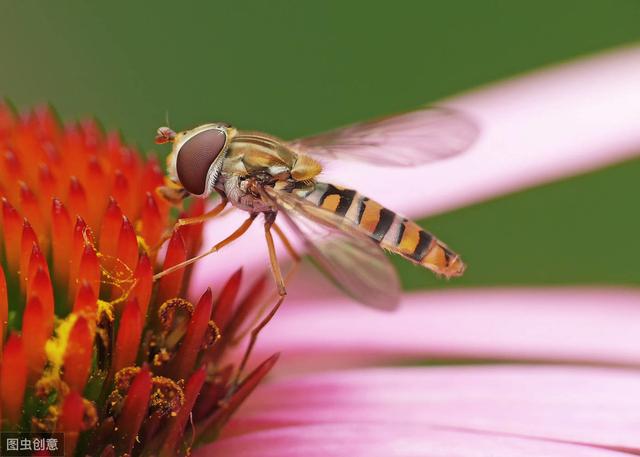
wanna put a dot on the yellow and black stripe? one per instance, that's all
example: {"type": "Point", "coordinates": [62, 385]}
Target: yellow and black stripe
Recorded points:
{"type": "Point", "coordinates": [393, 232]}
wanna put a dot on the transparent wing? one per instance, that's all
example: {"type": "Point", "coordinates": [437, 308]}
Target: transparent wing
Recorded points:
{"type": "Point", "coordinates": [409, 139]}
{"type": "Point", "coordinates": [349, 258]}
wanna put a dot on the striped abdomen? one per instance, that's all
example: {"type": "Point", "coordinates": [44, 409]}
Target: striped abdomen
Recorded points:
{"type": "Point", "coordinates": [393, 232]}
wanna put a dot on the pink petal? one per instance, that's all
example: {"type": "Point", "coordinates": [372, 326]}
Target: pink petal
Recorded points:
{"type": "Point", "coordinates": [355, 439]}
{"type": "Point", "coordinates": [571, 404]}
{"type": "Point", "coordinates": [537, 128]}
{"type": "Point", "coordinates": [567, 325]}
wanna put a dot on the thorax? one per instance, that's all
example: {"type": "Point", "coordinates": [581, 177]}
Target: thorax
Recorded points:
{"type": "Point", "coordinates": [256, 159]}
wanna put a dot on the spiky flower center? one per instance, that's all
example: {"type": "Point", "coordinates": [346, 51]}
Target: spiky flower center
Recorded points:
{"type": "Point", "coordinates": [90, 345]}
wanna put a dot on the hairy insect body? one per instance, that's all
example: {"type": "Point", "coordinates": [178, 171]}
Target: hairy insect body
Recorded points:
{"type": "Point", "coordinates": [255, 160]}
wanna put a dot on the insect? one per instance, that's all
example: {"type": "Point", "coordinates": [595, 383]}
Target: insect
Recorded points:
{"type": "Point", "coordinates": [344, 232]}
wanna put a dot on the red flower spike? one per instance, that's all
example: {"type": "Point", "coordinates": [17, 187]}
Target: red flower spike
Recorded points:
{"type": "Point", "coordinates": [54, 160]}
{"type": "Point", "coordinates": [77, 358]}
{"type": "Point", "coordinates": [26, 139]}
{"type": "Point", "coordinates": [193, 232]}
{"type": "Point", "coordinates": [211, 425]}
{"type": "Point", "coordinates": [86, 302]}
{"type": "Point", "coordinates": [8, 191]}
{"type": "Point", "coordinates": [129, 164]}
{"type": "Point", "coordinates": [89, 269]}
{"type": "Point", "coordinates": [177, 424]}
{"type": "Point", "coordinates": [77, 199]}
{"type": "Point", "coordinates": [212, 393]}
{"type": "Point", "coordinates": [47, 123]}
{"type": "Point", "coordinates": [95, 185]}
{"type": "Point", "coordinates": [13, 380]}
{"type": "Point", "coordinates": [144, 282]}
{"type": "Point", "coordinates": [35, 327]}
{"type": "Point", "coordinates": [12, 224]}
{"type": "Point", "coordinates": [28, 240]}
{"type": "Point", "coordinates": [91, 134]}
{"type": "Point", "coordinates": [152, 176]}
{"type": "Point", "coordinates": [121, 267]}
{"type": "Point", "coordinates": [193, 339]}
{"type": "Point", "coordinates": [46, 187]}
{"type": "Point", "coordinates": [109, 233]}
{"type": "Point", "coordinates": [40, 287]}
{"type": "Point", "coordinates": [128, 338]}
{"type": "Point", "coordinates": [36, 261]}
{"type": "Point", "coordinates": [152, 222]}
{"type": "Point", "coordinates": [113, 145]}
{"type": "Point", "coordinates": [11, 171]}
{"type": "Point", "coordinates": [121, 157]}
{"type": "Point", "coordinates": [70, 421]}
{"type": "Point", "coordinates": [127, 247]}
{"type": "Point", "coordinates": [4, 307]}
{"type": "Point", "coordinates": [73, 145]}
{"type": "Point", "coordinates": [96, 177]}
{"type": "Point", "coordinates": [77, 248]}
{"type": "Point", "coordinates": [61, 242]}
{"type": "Point", "coordinates": [223, 309]}
{"type": "Point", "coordinates": [121, 192]}
{"type": "Point", "coordinates": [133, 412]}
{"type": "Point", "coordinates": [245, 308]}
{"type": "Point", "coordinates": [171, 284]}
{"type": "Point", "coordinates": [31, 211]}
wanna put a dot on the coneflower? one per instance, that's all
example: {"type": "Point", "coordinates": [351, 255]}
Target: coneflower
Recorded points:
{"type": "Point", "coordinates": [90, 346]}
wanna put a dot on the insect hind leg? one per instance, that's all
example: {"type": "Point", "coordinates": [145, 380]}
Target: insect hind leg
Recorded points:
{"type": "Point", "coordinates": [280, 284]}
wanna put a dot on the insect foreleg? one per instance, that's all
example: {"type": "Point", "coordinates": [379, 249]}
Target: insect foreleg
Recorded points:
{"type": "Point", "coordinates": [215, 211]}
{"type": "Point", "coordinates": [231, 238]}
{"type": "Point", "coordinates": [206, 216]}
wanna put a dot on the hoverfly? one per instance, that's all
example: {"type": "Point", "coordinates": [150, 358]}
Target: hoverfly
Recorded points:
{"type": "Point", "coordinates": [343, 231]}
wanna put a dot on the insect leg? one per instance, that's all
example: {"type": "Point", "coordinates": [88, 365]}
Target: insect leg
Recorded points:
{"type": "Point", "coordinates": [206, 216]}
{"type": "Point", "coordinates": [280, 284]}
{"type": "Point", "coordinates": [215, 211]}
{"type": "Point", "coordinates": [296, 259]}
{"type": "Point", "coordinates": [287, 244]}
{"type": "Point", "coordinates": [231, 238]}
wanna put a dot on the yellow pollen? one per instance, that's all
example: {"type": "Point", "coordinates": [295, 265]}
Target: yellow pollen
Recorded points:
{"type": "Point", "coordinates": [56, 346]}
{"type": "Point", "coordinates": [142, 244]}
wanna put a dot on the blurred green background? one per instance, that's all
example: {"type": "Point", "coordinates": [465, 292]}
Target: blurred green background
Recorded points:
{"type": "Point", "coordinates": [296, 67]}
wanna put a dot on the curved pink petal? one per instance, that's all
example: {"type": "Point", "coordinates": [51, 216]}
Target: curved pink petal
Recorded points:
{"type": "Point", "coordinates": [567, 325]}
{"type": "Point", "coordinates": [355, 439]}
{"type": "Point", "coordinates": [570, 404]}
{"type": "Point", "coordinates": [536, 128]}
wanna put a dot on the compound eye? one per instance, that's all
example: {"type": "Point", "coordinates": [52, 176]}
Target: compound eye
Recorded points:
{"type": "Point", "coordinates": [195, 158]}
